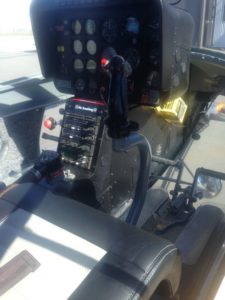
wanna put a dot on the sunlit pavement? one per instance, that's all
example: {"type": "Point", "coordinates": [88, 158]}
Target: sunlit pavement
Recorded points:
{"type": "Point", "coordinates": [19, 66]}
{"type": "Point", "coordinates": [16, 43]}
{"type": "Point", "coordinates": [18, 58]}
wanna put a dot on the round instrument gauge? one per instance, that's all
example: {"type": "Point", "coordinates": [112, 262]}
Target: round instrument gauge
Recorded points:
{"type": "Point", "coordinates": [77, 47]}
{"type": "Point", "coordinates": [80, 85]}
{"type": "Point", "coordinates": [132, 26]}
{"type": "Point", "coordinates": [90, 27]}
{"type": "Point", "coordinates": [109, 30]}
{"type": "Point", "coordinates": [78, 65]}
{"type": "Point", "coordinates": [76, 26]}
{"type": "Point", "coordinates": [91, 47]}
{"type": "Point", "coordinates": [91, 66]}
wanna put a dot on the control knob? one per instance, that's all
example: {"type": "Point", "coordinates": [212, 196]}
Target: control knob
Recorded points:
{"type": "Point", "coordinates": [51, 123]}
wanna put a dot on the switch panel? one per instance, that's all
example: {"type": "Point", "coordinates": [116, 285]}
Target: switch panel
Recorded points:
{"type": "Point", "coordinates": [81, 133]}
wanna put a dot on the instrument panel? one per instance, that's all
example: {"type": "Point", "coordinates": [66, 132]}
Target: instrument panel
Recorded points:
{"type": "Point", "coordinates": [74, 38]}
{"type": "Point", "coordinates": [82, 44]}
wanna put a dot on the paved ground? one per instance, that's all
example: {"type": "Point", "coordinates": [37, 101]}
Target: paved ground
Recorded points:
{"type": "Point", "coordinates": [18, 65]}
{"type": "Point", "coordinates": [16, 43]}
{"type": "Point", "coordinates": [18, 58]}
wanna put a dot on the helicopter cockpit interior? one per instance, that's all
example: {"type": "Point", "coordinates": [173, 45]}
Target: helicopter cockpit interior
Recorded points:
{"type": "Point", "coordinates": [76, 52]}
{"type": "Point", "coordinates": [81, 223]}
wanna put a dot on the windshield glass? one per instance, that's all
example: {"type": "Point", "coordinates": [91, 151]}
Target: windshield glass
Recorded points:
{"type": "Point", "coordinates": [209, 18]}
{"type": "Point", "coordinates": [18, 57]}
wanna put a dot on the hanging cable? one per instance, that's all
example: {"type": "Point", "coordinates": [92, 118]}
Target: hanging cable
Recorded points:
{"type": "Point", "coordinates": [175, 3]}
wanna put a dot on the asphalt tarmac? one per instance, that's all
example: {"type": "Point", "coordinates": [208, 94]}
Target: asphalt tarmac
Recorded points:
{"type": "Point", "coordinates": [18, 58]}
{"type": "Point", "coordinates": [18, 65]}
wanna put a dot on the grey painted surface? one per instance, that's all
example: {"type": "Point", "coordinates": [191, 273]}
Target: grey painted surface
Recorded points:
{"type": "Point", "coordinates": [194, 7]}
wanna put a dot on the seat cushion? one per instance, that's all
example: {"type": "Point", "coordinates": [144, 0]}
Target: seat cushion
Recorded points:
{"type": "Point", "coordinates": [65, 259]}
{"type": "Point", "coordinates": [134, 262]}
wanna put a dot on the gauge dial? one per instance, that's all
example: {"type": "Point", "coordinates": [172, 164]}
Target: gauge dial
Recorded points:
{"type": "Point", "coordinates": [91, 47]}
{"type": "Point", "coordinates": [80, 84]}
{"type": "Point", "coordinates": [90, 27]}
{"type": "Point", "coordinates": [132, 26]}
{"type": "Point", "coordinates": [76, 26]}
{"type": "Point", "coordinates": [77, 47]}
{"type": "Point", "coordinates": [78, 65]}
{"type": "Point", "coordinates": [109, 30]}
{"type": "Point", "coordinates": [91, 66]}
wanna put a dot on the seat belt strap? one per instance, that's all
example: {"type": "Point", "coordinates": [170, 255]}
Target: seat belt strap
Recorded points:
{"type": "Point", "coordinates": [17, 269]}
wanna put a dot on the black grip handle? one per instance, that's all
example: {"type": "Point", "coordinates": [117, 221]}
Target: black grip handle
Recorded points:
{"type": "Point", "coordinates": [50, 137]}
{"type": "Point", "coordinates": [117, 121]}
{"type": "Point", "coordinates": [118, 105]}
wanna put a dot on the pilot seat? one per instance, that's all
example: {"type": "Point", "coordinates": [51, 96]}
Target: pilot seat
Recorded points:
{"type": "Point", "coordinates": [80, 253]}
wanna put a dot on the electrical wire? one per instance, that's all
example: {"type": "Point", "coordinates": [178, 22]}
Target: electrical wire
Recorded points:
{"type": "Point", "coordinates": [175, 3]}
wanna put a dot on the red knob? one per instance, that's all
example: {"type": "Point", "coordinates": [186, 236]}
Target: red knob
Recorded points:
{"type": "Point", "coordinates": [50, 123]}
{"type": "Point", "coordinates": [104, 62]}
